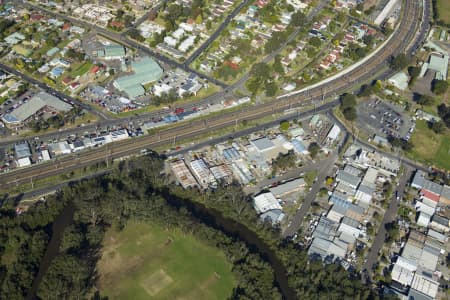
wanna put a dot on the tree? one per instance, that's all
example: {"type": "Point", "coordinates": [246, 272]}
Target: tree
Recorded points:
{"type": "Point", "coordinates": [298, 19]}
{"type": "Point", "coordinates": [399, 62]}
{"type": "Point", "coordinates": [350, 113]}
{"type": "Point", "coordinates": [348, 100]}
{"type": "Point", "coordinates": [277, 65]}
{"type": "Point", "coordinates": [439, 87]}
{"type": "Point", "coordinates": [261, 70]}
{"type": "Point", "coordinates": [253, 85]}
{"type": "Point", "coordinates": [136, 35]}
{"type": "Point", "coordinates": [315, 42]}
{"type": "Point", "coordinates": [348, 103]}
{"type": "Point", "coordinates": [413, 71]}
{"type": "Point", "coordinates": [284, 125]}
{"type": "Point", "coordinates": [120, 13]}
{"type": "Point", "coordinates": [271, 89]}
{"type": "Point", "coordinates": [275, 41]}
{"type": "Point", "coordinates": [369, 40]}
{"type": "Point", "coordinates": [313, 149]}
{"type": "Point", "coordinates": [425, 100]}
{"type": "Point", "coordinates": [438, 127]}
{"type": "Point", "coordinates": [174, 11]}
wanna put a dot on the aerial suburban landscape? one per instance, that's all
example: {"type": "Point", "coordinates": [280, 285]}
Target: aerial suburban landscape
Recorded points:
{"type": "Point", "coordinates": [223, 149]}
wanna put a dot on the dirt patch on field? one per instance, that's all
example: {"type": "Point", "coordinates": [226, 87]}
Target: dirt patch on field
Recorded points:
{"type": "Point", "coordinates": [200, 291]}
{"type": "Point", "coordinates": [114, 266]}
{"type": "Point", "coordinates": [157, 281]}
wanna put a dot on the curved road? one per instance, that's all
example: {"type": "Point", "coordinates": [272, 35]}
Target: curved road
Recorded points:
{"type": "Point", "coordinates": [403, 36]}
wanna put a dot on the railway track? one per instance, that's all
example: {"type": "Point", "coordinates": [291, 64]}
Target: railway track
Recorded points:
{"type": "Point", "coordinates": [401, 39]}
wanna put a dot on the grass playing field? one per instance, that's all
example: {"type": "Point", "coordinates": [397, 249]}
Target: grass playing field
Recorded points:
{"type": "Point", "coordinates": [430, 147]}
{"type": "Point", "coordinates": [145, 261]}
{"type": "Point", "coordinates": [443, 7]}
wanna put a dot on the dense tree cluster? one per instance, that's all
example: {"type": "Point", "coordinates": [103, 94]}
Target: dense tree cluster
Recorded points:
{"type": "Point", "coordinates": [137, 190]}
{"type": "Point", "coordinates": [284, 162]}
{"type": "Point", "coordinates": [23, 240]}
{"type": "Point", "coordinates": [4, 25]}
{"type": "Point", "coordinates": [313, 280]}
{"type": "Point", "coordinates": [348, 106]}
{"type": "Point", "coordinates": [439, 87]}
{"type": "Point", "coordinates": [399, 62]}
{"type": "Point", "coordinates": [261, 76]}
{"type": "Point", "coordinates": [444, 113]}
{"type": "Point", "coordinates": [400, 143]}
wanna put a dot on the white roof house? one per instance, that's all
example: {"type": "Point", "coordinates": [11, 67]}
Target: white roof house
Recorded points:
{"type": "Point", "coordinates": [423, 207]}
{"type": "Point", "coordinates": [425, 285]}
{"type": "Point", "coordinates": [404, 270]}
{"type": "Point", "coordinates": [170, 41]}
{"type": "Point", "coordinates": [60, 148]}
{"type": "Point", "coordinates": [265, 202]}
{"type": "Point", "coordinates": [186, 27]}
{"type": "Point", "coordinates": [364, 194]}
{"type": "Point", "coordinates": [45, 155]}
{"type": "Point", "coordinates": [23, 162]}
{"type": "Point", "coordinates": [402, 274]}
{"type": "Point", "coordinates": [424, 219]}
{"type": "Point", "coordinates": [119, 135]}
{"type": "Point", "coordinates": [186, 44]}
{"type": "Point", "coordinates": [399, 80]}
{"type": "Point", "coordinates": [334, 132]}
{"type": "Point", "coordinates": [178, 34]}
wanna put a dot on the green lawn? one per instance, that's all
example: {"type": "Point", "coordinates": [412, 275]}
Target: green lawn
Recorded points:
{"type": "Point", "coordinates": [443, 7]}
{"type": "Point", "coordinates": [429, 147]}
{"type": "Point", "coordinates": [82, 69]}
{"type": "Point", "coordinates": [145, 261]}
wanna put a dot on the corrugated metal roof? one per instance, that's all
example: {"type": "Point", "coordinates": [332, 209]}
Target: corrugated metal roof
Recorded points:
{"type": "Point", "coordinates": [36, 103]}
{"type": "Point", "coordinates": [263, 144]}
{"type": "Point", "coordinates": [145, 70]}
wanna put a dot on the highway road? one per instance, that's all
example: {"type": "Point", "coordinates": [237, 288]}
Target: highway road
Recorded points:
{"type": "Point", "coordinates": [402, 37]}
{"type": "Point", "coordinates": [326, 89]}
{"type": "Point", "coordinates": [389, 216]}
{"type": "Point", "coordinates": [196, 146]}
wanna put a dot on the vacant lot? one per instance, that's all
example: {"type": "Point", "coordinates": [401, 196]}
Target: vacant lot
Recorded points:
{"type": "Point", "coordinates": [430, 147]}
{"type": "Point", "coordinates": [443, 7]}
{"type": "Point", "coordinates": [145, 261]}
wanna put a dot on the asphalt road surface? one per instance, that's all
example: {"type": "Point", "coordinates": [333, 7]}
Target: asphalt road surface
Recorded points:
{"type": "Point", "coordinates": [389, 216]}
{"type": "Point", "coordinates": [324, 169]}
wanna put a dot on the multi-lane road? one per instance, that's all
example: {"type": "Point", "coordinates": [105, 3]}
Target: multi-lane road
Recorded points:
{"type": "Point", "coordinates": [403, 36]}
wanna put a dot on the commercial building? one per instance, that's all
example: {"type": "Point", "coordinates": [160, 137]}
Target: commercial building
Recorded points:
{"type": "Point", "coordinates": [349, 179]}
{"type": "Point", "coordinates": [39, 102]}
{"type": "Point", "coordinates": [268, 208]}
{"type": "Point", "coordinates": [439, 63]}
{"type": "Point", "coordinates": [202, 173]}
{"type": "Point", "coordinates": [182, 174]}
{"type": "Point", "coordinates": [60, 148]}
{"type": "Point", "coordinates": [287, 188]}
{"type": "Point", "coordinates": [444, 199]}
{"type": "Point", "coordinates": [110, 52]}
{"type": "Point", "coordinates": [145, 71]}
{"type": "Point", "coordinates": [22, 150]}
